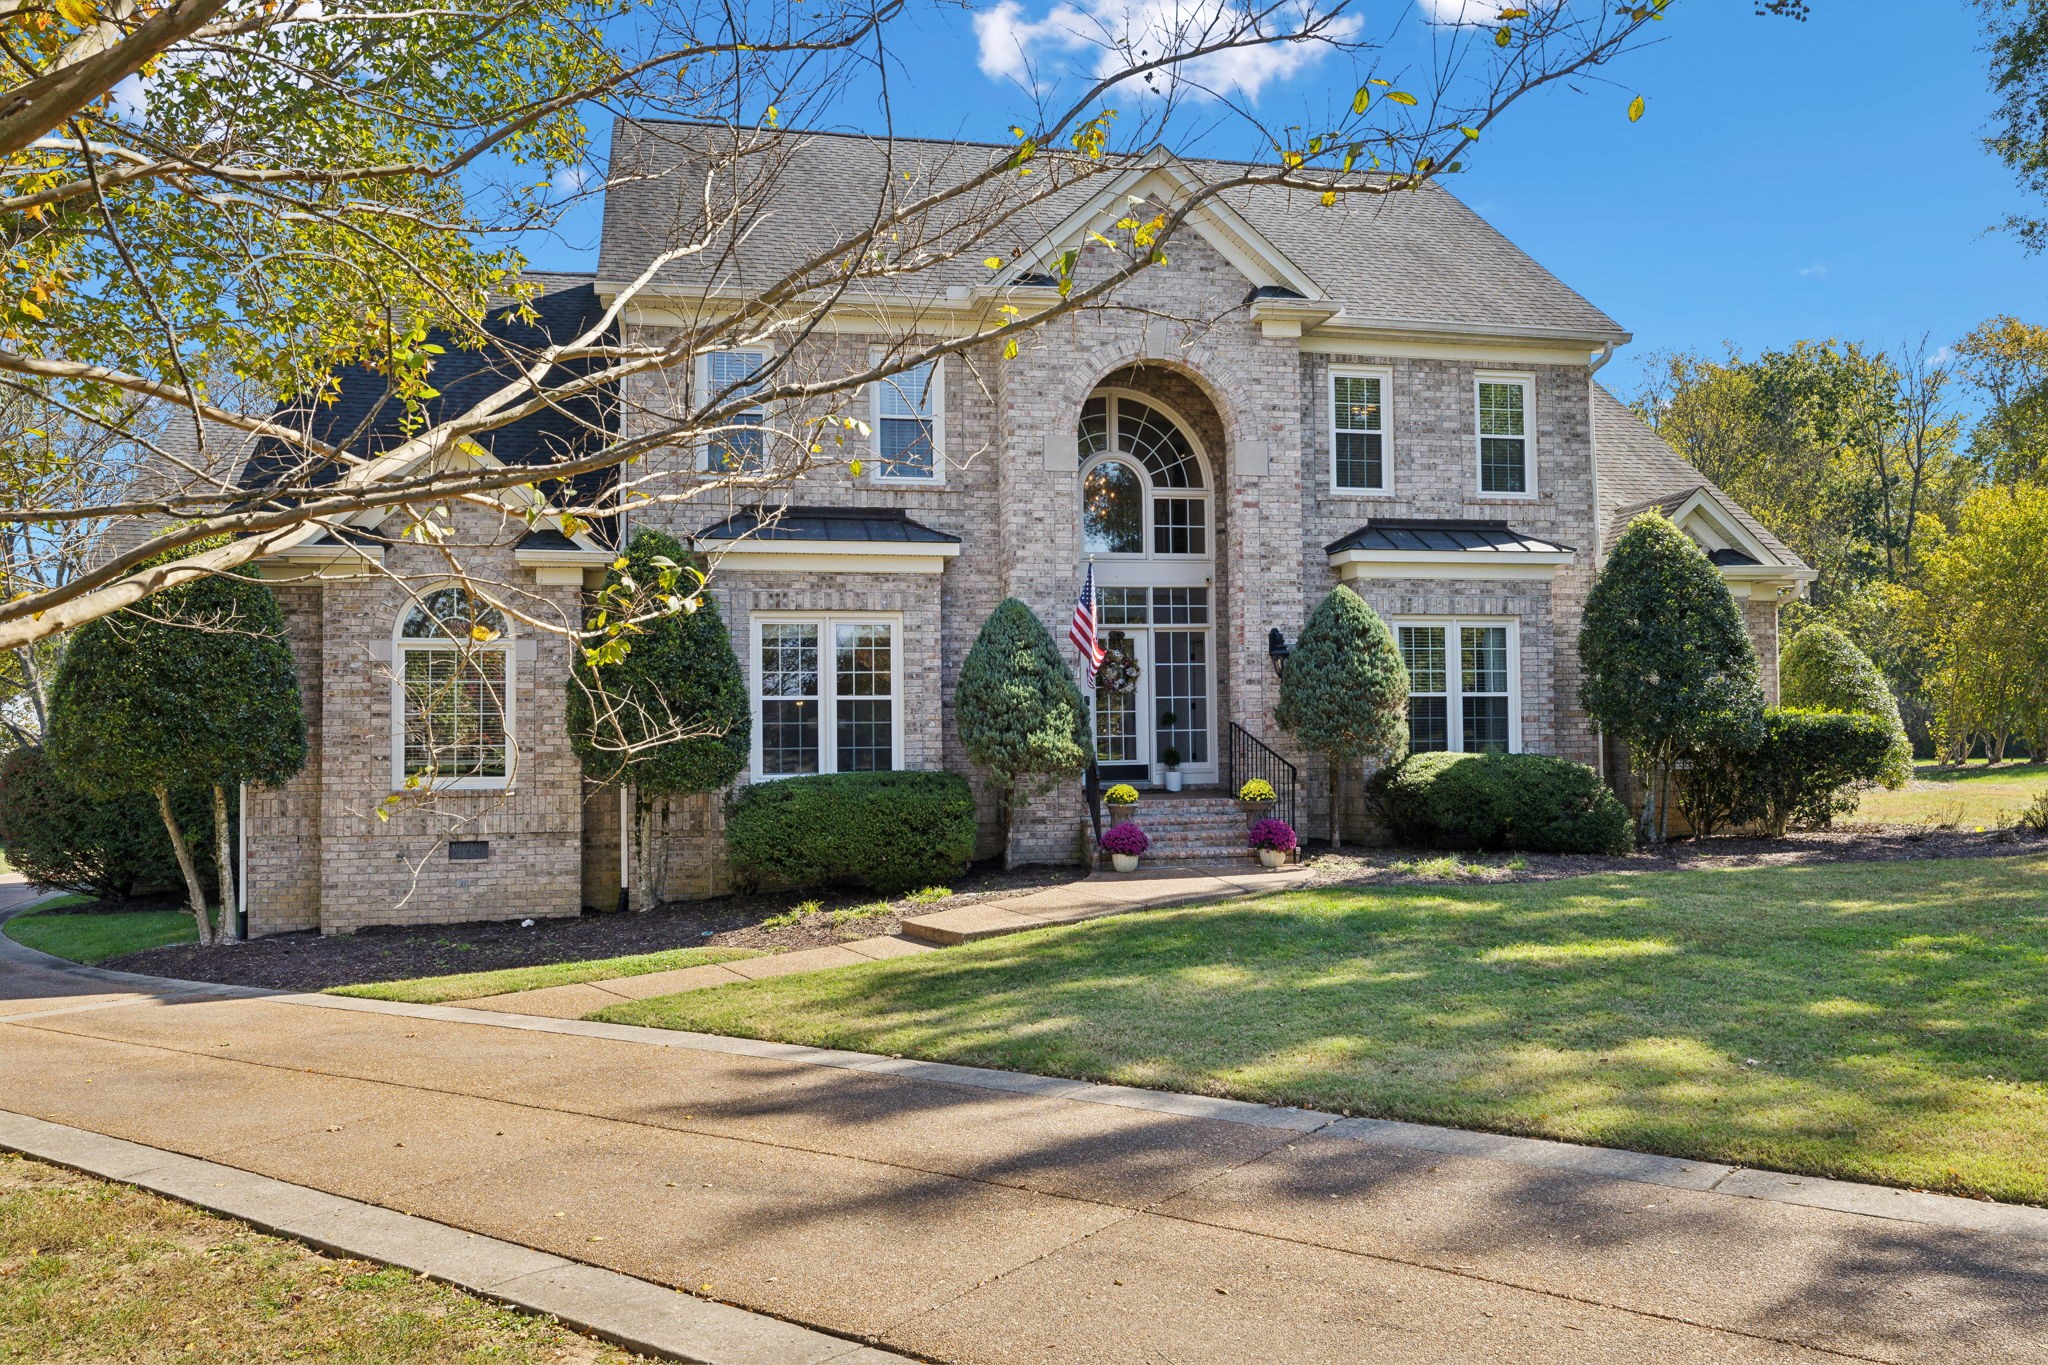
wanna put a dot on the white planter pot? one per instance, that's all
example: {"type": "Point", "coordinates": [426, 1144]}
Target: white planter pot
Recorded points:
{"type": "Point", "coordinates": [1272, 857]}
{"type": "Point", "coordinates": [1173, 779]}
{"type": "Point", "coordinates": [1124, 862]}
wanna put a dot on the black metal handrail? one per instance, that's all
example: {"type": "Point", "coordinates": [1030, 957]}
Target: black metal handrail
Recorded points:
{"type": "Point", "coordinates": [1246, 756]}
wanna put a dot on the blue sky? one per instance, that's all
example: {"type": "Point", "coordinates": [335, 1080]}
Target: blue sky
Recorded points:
{"type": "Point", "coordinates": [1789, 180]}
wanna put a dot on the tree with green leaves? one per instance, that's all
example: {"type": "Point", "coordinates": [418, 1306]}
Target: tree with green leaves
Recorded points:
{"type": "Point", "coordinates": [1668, 666]}
{"type": "Point", "coordinates": [1823, 670]}
{"type": "Point", "coordinates": [1344, 692]}
{"type": "Point", "coordinates": [1021, 715]}
{"type": "Point", "coordinates": [196, 687]}
{"type": "Point", "coordinates": [656, 696]}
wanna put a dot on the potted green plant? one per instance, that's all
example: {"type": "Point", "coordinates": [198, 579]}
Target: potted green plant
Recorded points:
{"type": "Point", "coordinates": [1274, 841]}
{"type": "Point", "coordinates": [1255, 798]}
{"type": "Point", "coordinates": [1125, 844]}
{"type": "Point", "coordinates": [1170, 758]}
{"type": "Point", "coordinates": [1122, 800]}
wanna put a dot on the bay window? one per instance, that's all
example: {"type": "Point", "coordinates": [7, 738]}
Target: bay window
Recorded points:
{"type": "Point", "coordinates": [825, 695]}
{"type": "Point", "coordinates": [1462, 686]}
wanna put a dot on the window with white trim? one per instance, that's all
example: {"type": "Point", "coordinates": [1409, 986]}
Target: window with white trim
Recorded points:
{"type": "Point", "coordinates": [1461, 686]}
{"type": "Point", "coordinates": [1358, 431]}
{"type": "Point", "coordinates": [737, 447]}
{"type": "Point", "coordinates": [826, 695]}
{"type": "Point", "coordinates": [454, 693]}
{"type": "Point", "coordinates": [909, 424]}
{"type": "Point", "coordinates": [1504, 467]}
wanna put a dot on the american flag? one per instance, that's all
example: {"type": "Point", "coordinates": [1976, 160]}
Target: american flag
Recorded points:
{"type": "Point", "coordinates": [1082, 631]}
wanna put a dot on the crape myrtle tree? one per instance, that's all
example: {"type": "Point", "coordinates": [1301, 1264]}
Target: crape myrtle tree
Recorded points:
{"type": "Point", "coordinates": [288, 189]}
{"type": "Point", "coordinates": [1668, 667]}
{"type": "Point", "coordinates": [1823, 670]}
{"type": "Point", "coordinates": [193, 687]}
{"type": "Point", "coordinates": [1344, 692]}
{"type": "Point", "coordinates": [1020, 713]}
{"type": "Point", "coordinates": [660, 704]}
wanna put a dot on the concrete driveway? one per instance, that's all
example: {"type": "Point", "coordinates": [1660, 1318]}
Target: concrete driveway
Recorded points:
{"type": "Point", "coordinates": [973, 1217]}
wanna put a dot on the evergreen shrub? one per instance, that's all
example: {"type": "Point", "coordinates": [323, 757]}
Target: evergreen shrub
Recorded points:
{"type": "Point", "coordinates": [1823, 670]}
{"type": "Point", "coordinates": [109, 849]}
{"type": "Point", "coordinates": [890, 831]}
{"type": "Point", "coordinates": [1533, 802]}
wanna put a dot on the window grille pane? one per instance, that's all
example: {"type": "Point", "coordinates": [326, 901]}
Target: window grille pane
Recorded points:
{"type": "Point", "coordinates": [866, 737]}
{"type": "Point", "coordinates": [1120, 606]}
{"type": "Point", "coordinates": [1151, 435]}
{"type": "Point", "coordinates": [1503, 464]}
{"type": "Point", "coordinates": [1180, 606]}
{"type": "Point", "coordinates": [1094, 428]}
{"type": "Point", "coordinates": [1422, 649]}
{"type": "Point", "coordinates": [1359, 461]}
{"type": "Point", "coordinates": [1357, 398]}
{"type": "Point", "coordinates": [1484, 659]}
{"type": "Point", "coordinates": [1429, 728]}
{"type": "Point", "coordinates": [451, 614]}
{"type": "Point", "coordinates": [904, 448]}
{"type": "Point", "coordinates": [734, 370]}
{"type": "Point", "coordinates": [1180, 685]}
{"type": "Point", "coordinates": [908, 394]}
{"type": "Point", "coordinates": [862, 667]}
{"type": "Point", "coordinates": [455, 713]}
{"type": "Point", "coordinates": [789, 659]}
{"type": "Point", "coordinates": [1113, 510]}
{"type": "Point", "coordinates": [1500, 410]}
{"type": "Point", "coordinates": [738, 449]}
{"type": "Point", "coordinates": [789, 737]}
{"type": "Point", "coordinates": [1179, 526]}
{"type": "Point", "coordinates": [1486, 725]}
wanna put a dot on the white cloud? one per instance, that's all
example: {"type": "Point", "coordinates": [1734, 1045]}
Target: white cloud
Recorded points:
{"type": "Point", "coordinates": [1016, 47]}
{"type": "Point", "coordinates": [1458, 11]}
{"type": "Point", "coordinates": [1817, 271]}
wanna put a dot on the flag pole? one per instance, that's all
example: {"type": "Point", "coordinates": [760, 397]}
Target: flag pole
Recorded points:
{"type": "Point", "coordinates": [1091, 782]}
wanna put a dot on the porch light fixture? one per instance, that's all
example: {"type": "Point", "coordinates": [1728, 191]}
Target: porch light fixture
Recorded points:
{"type": "Point", "coordinates": [1277, 650]}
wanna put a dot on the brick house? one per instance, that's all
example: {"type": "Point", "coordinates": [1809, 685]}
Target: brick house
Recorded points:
{"type": "Point", "coordinates": [1386, 394]}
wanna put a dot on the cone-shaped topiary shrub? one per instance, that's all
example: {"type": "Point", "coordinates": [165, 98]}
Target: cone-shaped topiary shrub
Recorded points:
{"type": "Point", "coordinates": [1344, 693]}
{"type": "Point", "coordinates": [1020, 713]}
{"type": "Point", "coordinates": [1823, 670]}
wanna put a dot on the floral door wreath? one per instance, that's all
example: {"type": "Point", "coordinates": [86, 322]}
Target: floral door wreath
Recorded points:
{"type": "Point", "coordinates": [1118, 671]}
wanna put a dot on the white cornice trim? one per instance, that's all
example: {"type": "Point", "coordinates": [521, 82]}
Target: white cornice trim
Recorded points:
{"type": "Point", "coordinates": [1465, 564]}
{"type": "Point", "coordinates": [827, 557]}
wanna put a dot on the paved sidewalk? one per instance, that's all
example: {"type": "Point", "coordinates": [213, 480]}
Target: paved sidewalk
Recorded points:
{"type": "Point", "coordinates": [981, 1217]}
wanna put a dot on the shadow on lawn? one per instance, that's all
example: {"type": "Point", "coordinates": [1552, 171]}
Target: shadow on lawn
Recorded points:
{"type": "Point", "coordinates": [1800, 1018]}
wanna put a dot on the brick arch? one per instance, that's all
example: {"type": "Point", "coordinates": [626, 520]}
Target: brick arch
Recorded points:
{"type": "Point", "coordinates": [1187, 389]}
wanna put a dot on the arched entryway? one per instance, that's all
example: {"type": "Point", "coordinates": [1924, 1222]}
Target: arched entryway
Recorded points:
{"type": "Point", "coordinates": [1148, 525]}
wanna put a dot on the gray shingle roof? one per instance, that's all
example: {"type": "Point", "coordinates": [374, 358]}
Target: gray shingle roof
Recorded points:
{"type": "Point", "coordinates": [1640, 471]}
{"type": "Point", "coordinates": [1476, 537]}
{"type": "Point", "coordinates": [866, 525]}
{"type": "Point", "coordinates": [1418, 257]}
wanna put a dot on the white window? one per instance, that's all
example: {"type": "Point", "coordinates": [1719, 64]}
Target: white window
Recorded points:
{"type": "Point", "coordinates": [736, 447]}
{"type": "Point", "coordinates": [1463, 692]}
{"type": "Point", "coordinates": [1144, 487]}
{"type": "Point", "coordinates": [1505, 468]}
{"type": "Point", "coordinates": [826, 695]}
{"type": "Point", "coordinates": [452, 693]}
{"type": "Point", "coordinates": [1358, 430]}
{"type": "Point", "coordinates": [909, 424]}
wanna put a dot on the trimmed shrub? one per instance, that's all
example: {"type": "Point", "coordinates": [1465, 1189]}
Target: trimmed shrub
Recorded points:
{"type": "Point", "coordinates": [1021, 714]}
{"type": "Point", "coordinates": [61, 838]}
{"type": "Point", "coordinates": [1532, 802]}
{"type": "Point", "coordinates": [1823, 670]}
{"type": "Point", "coordinates": [1344, 692]}
{"type": "Point", "coordinates": [1803, 768]}
{"type": "Point", "coordinates": [892, 831]}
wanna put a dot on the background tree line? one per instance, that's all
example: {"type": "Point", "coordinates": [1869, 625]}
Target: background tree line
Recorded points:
{"type": "Point", "coordinates": [1916, 482]}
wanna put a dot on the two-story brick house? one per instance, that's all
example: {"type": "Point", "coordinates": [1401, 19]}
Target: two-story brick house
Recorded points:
{"type": "Point", "coordinates": [1385, 393]}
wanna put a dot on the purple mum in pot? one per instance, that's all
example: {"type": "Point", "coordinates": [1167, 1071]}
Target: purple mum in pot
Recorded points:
{"type": "Point", "coordinates": [1277, 835]}
{"type": "Point", "coordinates": [1126, 839]}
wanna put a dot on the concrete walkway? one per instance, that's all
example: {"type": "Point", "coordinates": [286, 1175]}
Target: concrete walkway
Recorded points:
{"type": "Point", "coordinates": [1106, 893]}
{"type": "Point", "coordinates": [973, 1216]}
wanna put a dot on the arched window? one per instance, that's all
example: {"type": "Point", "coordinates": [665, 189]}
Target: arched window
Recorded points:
{"type": "Point", "coordinates": [454, 684]}
{"type": "Point", "coordinates": [1144, 491]}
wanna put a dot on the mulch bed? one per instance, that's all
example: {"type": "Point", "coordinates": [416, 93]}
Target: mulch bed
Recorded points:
{"type": "Point", "coordinates": [308, 961]}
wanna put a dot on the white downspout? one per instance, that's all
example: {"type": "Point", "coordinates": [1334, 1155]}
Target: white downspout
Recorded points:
{"type": "Point", "coordinates": [625, 845]}
{"type": "Point", "coordinates": [242, 856]}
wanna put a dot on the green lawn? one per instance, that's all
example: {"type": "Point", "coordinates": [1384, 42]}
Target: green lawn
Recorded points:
{"type": "Point", "coordinates": [93, 1271]}
{"type": "Point", "coordinates": [97, 937]}
{"type": "Point", "coordinates": [1872, 1021]}
{"type": "Point", "coordinates": [1966, 797]}
{"type": "Point", "coordinates": [433, 990]}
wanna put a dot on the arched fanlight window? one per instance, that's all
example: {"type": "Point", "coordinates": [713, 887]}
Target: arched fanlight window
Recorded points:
{"type": "Point", "coordinates": [454, 683]}
{"type": "Point", "coordinates": [1143, 487]}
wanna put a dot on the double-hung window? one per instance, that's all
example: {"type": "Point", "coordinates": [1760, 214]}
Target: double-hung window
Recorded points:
{"type": "Point", "coordinates": [1358, 431]}
{"type": "Point", "coordinates": [825, 695]}
{"type": "Point", "coordinates": [909, 424]}
{"type": "Point", "coordinates": [454, 693]}
{"type": "Point", "coordinates": [1461, 686]}
{"type": "Point", "coordinates": [737, 446]}
{"type": "Point", "coordinates": [1505, 469]}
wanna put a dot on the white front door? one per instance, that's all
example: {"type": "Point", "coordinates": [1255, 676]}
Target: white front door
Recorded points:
{"type": "Point", "coordinates": [1123, 715]}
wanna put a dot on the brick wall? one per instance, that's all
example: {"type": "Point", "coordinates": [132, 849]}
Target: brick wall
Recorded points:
{"type": "Point", "coordinates": [282, 876]}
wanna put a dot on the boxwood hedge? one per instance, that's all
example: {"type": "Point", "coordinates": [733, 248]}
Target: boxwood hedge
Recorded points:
{"type": "Point", "coordinates": [891, 831]}
{"type": "Point", "coordinates": [1532, 802]}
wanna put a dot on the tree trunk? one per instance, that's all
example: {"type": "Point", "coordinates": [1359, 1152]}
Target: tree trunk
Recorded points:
{"type": "Point", "coordinates": [644, 888]}
{"type": "Point", "coordinates": [195, 894]}
{"type": "Point", "coordinates": [224, 858]}
{"type": "Point", "coordinates": [1664, 805]}
{"type": "Point", "coordinates": [1005, 795]}
{"type": "Point", "coordinates": [1336, 802]}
